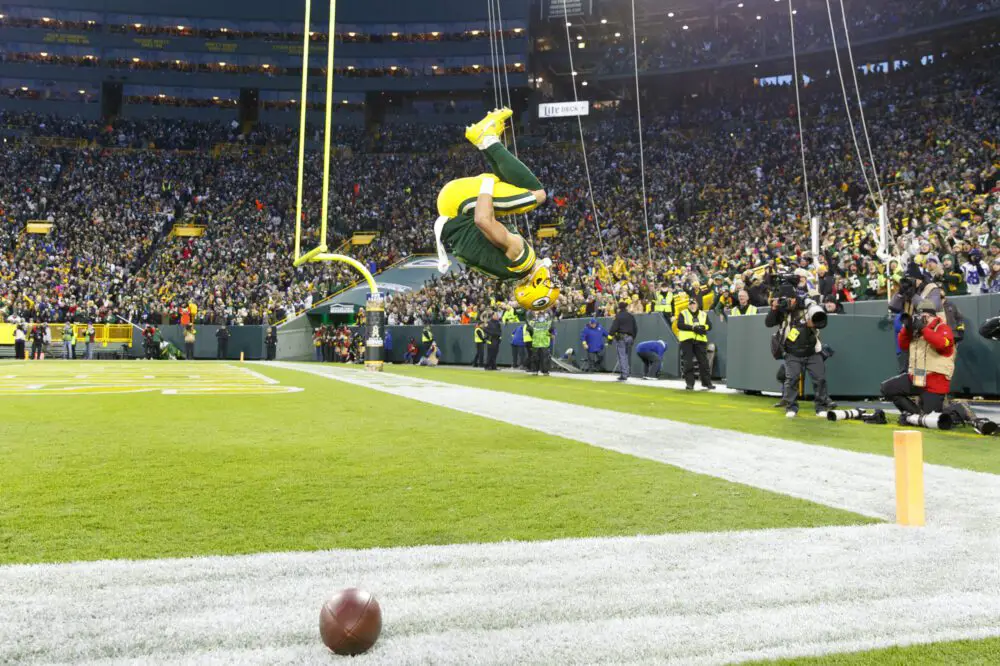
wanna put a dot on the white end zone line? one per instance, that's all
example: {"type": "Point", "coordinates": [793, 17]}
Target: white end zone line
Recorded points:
{"type": "Point", "coordinates": [679, 599]}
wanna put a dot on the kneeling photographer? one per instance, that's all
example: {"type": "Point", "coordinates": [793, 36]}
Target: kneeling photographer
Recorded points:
{"type": "Point", "coordinates": [797, 343]}
{"type": "Point", "coordinates": [931, 346]}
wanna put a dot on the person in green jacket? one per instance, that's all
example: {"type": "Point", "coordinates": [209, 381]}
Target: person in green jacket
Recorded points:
{"type": "Point", "coordinates": [542, 335]}
{"type": "Point", "coordinates": [67, 340]}
{"type": "Point", "coordinates": [509, 316]}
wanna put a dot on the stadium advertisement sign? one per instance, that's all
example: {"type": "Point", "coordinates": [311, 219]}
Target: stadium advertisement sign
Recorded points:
{"type": "Point", "coordinates": [564, 109]}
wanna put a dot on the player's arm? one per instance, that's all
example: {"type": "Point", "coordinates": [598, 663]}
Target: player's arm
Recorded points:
{"type": "Point", "coordinates": [485, 219]}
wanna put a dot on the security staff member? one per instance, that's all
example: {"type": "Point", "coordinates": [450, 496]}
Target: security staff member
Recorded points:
{"type": "Point", "coordinates": [692, 332]}
{"type": "Point", "coordinates": [222, 337]}
{"type": "Point", "coordinates": [271, 343]}
{"type": "Point", "coordinates": [623, 330]}
{"type": "Point", "coordinates": [493, 333]}
{"type": "Point", "coordinates": [801, 347]}
{"type": "Point", "coordinates": [931, 344]}
{"type": "Point", "coordinates": [664, 303]}
{"type": "Point", "coordinates": [480, 336]}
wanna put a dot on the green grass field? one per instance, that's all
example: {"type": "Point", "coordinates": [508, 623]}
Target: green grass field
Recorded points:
{"type": "Point", "coordinates": [743, 413]}
{"type": "Point", "coordinates": [146, 475]}
{"type": "Point", "coordinates": [241, 467]}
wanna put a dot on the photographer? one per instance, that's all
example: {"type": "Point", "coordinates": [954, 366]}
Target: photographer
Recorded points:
{"type": "Point", "coordinates": [797, 343]}
{"type": "Point", "coordinates": [914, 288]}
{"type": "Point", "coordinates": [931, 346]}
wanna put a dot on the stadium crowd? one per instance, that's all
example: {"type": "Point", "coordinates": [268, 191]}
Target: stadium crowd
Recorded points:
{"type": "Point", "coordinates": [723, 180]}
{"type": "Point", "coordinates": [742, 33]}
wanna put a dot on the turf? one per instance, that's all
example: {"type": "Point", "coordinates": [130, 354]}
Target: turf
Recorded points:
{"type": "Point", "coordinates": [146, 475]}
{"type": "Point", "coordinates": [743, 413]}
{"type": "Point", "coordinates": [965, 653]}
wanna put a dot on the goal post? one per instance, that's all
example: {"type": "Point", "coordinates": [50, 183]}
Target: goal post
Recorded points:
{"type": "Point", "coordinates": [375, 309]}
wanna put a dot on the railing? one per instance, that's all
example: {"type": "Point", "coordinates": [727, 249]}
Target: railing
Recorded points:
{"type": "Point", "coordinates": [104, 333]}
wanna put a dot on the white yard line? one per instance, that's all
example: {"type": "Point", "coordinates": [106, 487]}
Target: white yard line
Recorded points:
{"type": "Point", "coordinates": [859, 482]}
{"type": "Point", "coordinates": [673, 599]}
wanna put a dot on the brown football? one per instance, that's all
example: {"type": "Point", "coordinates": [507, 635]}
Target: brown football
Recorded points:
{"type": "Point", "coordinates": [350, 622]}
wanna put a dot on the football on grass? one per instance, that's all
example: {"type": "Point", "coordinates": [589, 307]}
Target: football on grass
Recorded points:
{"type": "Point", "coordinates": [350, 622]}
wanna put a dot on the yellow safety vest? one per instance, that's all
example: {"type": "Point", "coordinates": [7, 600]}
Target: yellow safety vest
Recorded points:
{"type": "Point", "coordinates": [663, 303]}
{"type": "Point", "coordinates": [751, 310]}
{"type": "Point", "coordinates": [690, 320]}
{"type": "Point", "coordinates": [480, 335]}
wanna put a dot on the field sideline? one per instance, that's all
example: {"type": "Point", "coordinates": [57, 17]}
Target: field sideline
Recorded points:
{"type": "Point", "coordinates": [153, 473]}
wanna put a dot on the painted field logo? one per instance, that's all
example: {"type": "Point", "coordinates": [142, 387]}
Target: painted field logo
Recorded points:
{"type": "Point", "coordinates": [163, 377]}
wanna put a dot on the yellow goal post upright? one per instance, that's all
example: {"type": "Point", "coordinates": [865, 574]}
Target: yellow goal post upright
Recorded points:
{"type": "Point", "coordinates": [375, 308]}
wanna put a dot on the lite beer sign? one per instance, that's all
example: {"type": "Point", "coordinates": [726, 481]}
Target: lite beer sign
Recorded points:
{"type": "Point", "coordinates": [564, 109]}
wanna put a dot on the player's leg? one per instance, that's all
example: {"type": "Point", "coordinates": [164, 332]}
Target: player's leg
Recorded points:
{"type": "Point", "coordinates": [485, 135]}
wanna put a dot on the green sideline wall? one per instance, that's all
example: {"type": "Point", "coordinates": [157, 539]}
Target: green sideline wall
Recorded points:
{"type": "Point", "coordinates": [862, 339]}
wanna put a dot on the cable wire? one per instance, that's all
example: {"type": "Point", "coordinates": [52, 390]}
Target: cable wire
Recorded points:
{"type": "Point", "coordinates": [583, 144]}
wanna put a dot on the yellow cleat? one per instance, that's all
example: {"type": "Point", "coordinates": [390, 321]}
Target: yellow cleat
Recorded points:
{"type": "Point", "coordinates": [492, 125]}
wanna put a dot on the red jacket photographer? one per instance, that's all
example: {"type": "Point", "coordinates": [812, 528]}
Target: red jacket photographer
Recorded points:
{"type": "Point", "coordinates": [933, 352]}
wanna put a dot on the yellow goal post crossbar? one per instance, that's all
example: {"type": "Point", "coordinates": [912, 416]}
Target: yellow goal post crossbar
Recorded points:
{"type": "Point", "coordinates": [320, 252]}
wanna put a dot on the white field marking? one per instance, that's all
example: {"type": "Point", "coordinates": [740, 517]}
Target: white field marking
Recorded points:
{"type": "Point", "coordinates": [81, 376]}
{"type": "Point", "coordinates": [149, 376]}
{"type": "Point", "coordinates": [610, 378]}
{"type": "Point", "coordinates": [253, 373]}
{"type": "Point", "coordinates": [860, 482]}
{"type": "Point", "coordinates": [691, 599]}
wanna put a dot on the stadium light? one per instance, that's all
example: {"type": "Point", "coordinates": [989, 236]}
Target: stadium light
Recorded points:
{"type": "Point", "coordinates": [579, 38]}
{"type": "Point", "coordinates": [350, 34]}
{"type": "Point", "coordinates": [344, 102]}
{"type": "Point", "coordinates": [222, 64]}
{"type": "Point", "coordinates": [584, 83]}
{"type": "Point", "coordinates": [474, 33]}
{"type": "Point", "coordinates": [266, 66]}
{"type": "Point", "coordinates": [82, 92]}
{"type": "Point", "coordinates": [574, 73]}
{"type": "Point", "coordinates": [758, 17]}
{"type": "Point", "coordinates": [604, 21]}
{"type": "Point", "coordinates": [215, 99]}
{"type": "Point", "coordinates": [670, 14]}
{"type": "Point", "coordinates": [161, 95]}
{"type": "Point", "coordinates": [24, 88]}
{"type": "Point", "coordinates": [618, 34]}
{"type": "Point", "coordinates": [517, 64]}
{"type": "Point", "coordinates": [180, 27]}
{"type": "Point", "coordinates": [435, 33]}
{"type": "Point", "coordinates": [45, 19]}
{"type": "Point", "coordinates": [795, 11]}
{"type": "Point", "coordinates": [684, 27]}
{"type": "Point", "coordinates": [581, 45]}
{"type": "Point", "coordinates": [137, 25]}
{"type": "Point", "coordinates": [518, 30]}
{"type": "Point", "coordinates": [395, 34]}
{"type": "Point", "coordinates": [568, 24]}
{"type": "Point", "coordinates": [350, 68]}
{"type": "Point", "coordinates": [135, 60]}
{"type": "Point", "coordinates": [434, 67]}
{"type": "Point", "coordinates": [393, 67]}
{"type": "Point", "coordinates": [740, 5]}
{"type": "Point", "coordinates": [45, 54]}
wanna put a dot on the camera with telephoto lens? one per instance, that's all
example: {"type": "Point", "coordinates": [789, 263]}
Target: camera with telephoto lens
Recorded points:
{"type": "Point", "coordinates": [933, 421]}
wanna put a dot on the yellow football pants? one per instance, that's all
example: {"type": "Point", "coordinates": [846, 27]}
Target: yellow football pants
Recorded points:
{"type": "Point", "coordinates": [459, 196]}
